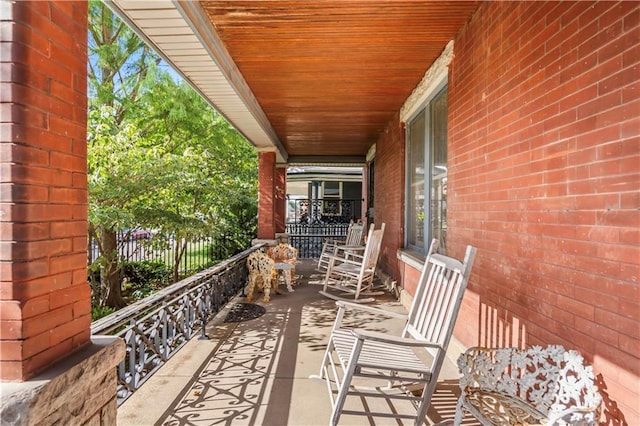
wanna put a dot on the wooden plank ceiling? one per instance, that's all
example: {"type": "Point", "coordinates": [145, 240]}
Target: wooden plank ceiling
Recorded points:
{"type": "Point", "coordinates": [329, 75]}
{"type": "Point", "coordinates": [308, 78]}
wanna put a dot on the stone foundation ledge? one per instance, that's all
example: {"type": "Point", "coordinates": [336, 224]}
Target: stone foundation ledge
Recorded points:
{"type": "Point", "coordinates": [78, 390]}
{"type": "Point", "coordinates": [266, 241]}
{"type": "Point", "coordinates": [281, 237]}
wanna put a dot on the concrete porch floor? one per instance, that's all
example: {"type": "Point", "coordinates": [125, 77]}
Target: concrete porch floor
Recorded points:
{"type": "Point", "coordinates": [257, 372]}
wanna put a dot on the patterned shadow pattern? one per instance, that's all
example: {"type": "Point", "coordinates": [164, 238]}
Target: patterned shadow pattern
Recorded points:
{"type": "Point", "coordinates": [249, 377]}
{"type": "Point", "coordinates": [236, 382]}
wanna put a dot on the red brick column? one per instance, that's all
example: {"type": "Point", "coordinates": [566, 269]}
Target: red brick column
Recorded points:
{"type": "Point", "coordinates": [280, 198]}
{"type": "Point", "coordinates": [266, 194]}
{"type": "Point", "coordinates": [45, 310]}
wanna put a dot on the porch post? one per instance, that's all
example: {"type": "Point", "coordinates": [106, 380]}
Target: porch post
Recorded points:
{"type": "Point", "coordinates": [365, 195]}
{"type": "Point", "coordinates": [280, 198]}
{"type": "Point", "coordinates": [45, 301]}
{"type": "Point", "coordinates": [266, 194]}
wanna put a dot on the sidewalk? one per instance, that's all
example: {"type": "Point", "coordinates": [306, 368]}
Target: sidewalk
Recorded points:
{"type": "Point", "coordinates": [257, 372]}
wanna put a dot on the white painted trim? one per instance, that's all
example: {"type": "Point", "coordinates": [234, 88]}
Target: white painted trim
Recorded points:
{"type": "Point", "coordinates": [371, 153]}
{"type": "Point", "coordinates": [266, 149]}
{"type": "Point", "coordinates": [220, 83]}
{"type": "Point", "coordinates": [411, 258]}
{"type": "Point", "coordinates": [337, 197]}
{"type": "Point", "coordinates": [434, 79]}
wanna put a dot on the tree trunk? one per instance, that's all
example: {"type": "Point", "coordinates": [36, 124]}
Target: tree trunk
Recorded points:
{"type": "Point", "coordinates": [178, 253]}
{"type": "Point", "coordinates": [110, 273]}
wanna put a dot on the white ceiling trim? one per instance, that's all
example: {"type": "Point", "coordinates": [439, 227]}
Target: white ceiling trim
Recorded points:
{"type": "Point", "coordinates": [434, 79]}
{"type": "Point", "coordinates": [181, 33]}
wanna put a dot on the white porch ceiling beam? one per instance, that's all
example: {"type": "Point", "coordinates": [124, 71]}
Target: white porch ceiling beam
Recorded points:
{"type": "Point", "coordinates": [181, 33]}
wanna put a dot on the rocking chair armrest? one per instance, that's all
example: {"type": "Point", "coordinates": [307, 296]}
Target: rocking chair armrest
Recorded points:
{"type": "Point", "coordinates": [355, 306]}
{"type": "Point", "coordinates": [334, 241]}
{"type": "Point", "coordinates": [394, 340]}
{"type": "Point", "coordinates": [349, 257]}
{"type": "Point", "coordinates": [350, 248]}
{"type": "Point", "coordinates": [341, 252]}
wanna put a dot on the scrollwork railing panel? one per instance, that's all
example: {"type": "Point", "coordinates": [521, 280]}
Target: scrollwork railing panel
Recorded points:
{"type": "Point", "coordinates": [155, 328]}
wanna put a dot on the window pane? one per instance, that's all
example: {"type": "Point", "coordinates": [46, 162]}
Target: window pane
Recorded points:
{"type": "Point", "coordinates": [439, 168]}
{"type": "Point", "coordinates": [415, 214]}
{"type": "Point", "coordinates": [426, 213]}
{"type": "Point", "coordinates": [332, 189]}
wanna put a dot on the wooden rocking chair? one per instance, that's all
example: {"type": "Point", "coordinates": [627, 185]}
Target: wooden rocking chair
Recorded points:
{"type": "Point", "coordinates": [352, 272]}
{"type": "Point", "coordinates": [353, 239]}
{"type": "Point", "coordinates": [398, 361]}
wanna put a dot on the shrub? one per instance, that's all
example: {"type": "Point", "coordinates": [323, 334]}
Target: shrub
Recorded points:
{"type": "Point", "coordinates": [98, 312]}
{"type": "Point", "coordinates": [146, 272]}
{"type": "Point", "coordinates": [143, 278]}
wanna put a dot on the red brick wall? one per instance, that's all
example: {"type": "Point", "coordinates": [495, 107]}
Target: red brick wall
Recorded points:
{"type": "Point", "coordinates": [279, 198]}
{"type": "Point", "coordinates": [389, 192]}
{"type": "Point", "coordinates": [45, 310]}
{"type": "Point", "coordinates": [266, 194]}
{"type": "Point", "coordinates": [544, 163]}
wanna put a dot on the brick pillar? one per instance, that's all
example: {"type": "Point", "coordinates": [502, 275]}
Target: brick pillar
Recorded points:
{"type": "Point", "coordinates": [280, 198]}
{"type": "Point", "coordinates": [266, 194]}
{"type": "Point", "coordinates": [45, 310]}
{"type": "Point", "coordinates": [45, 301]}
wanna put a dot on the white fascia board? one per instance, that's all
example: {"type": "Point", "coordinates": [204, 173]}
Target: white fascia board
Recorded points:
{"type": "Point", "coordinates": [223, 86]}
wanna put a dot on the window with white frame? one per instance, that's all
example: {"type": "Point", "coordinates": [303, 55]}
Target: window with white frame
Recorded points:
{"type": "Point", "coordinates": [427, 175]}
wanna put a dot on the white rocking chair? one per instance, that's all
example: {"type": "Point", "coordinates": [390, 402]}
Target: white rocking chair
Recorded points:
{"type": "Point", "coordinates": [353, 239]}
{"type": "Point", "coordinates": [377, 357]}
{"type": "Point", "coordinates": [352, 272]}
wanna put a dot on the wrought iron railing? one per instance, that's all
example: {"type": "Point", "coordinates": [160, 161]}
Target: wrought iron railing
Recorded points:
{"type": "Point", "coordinates": [323, 211]}
{"type": "Point", "coordinates": [156, 327]}
{"type": "Point", "coordinates": [308, 239]}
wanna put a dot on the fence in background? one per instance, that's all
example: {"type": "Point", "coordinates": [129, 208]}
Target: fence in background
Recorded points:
{"type": "Point", "coordinates": [323, 211]}
{"type": "Point", "coordinates": [142, 245]}
{"type": "Point", "coordinates": [308, 239]}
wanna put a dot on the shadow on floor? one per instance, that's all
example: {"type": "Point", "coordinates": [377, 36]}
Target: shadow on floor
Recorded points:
{"type": "Point", "coordinates": [256, 372]}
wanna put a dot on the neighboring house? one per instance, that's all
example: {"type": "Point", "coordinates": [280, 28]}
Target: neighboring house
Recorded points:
{"type": "Point", "coordinates": [324, 194]}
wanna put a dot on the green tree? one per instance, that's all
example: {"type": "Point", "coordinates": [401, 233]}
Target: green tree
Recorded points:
{"type": "Point", "coordinates": [118, 67]}
{"type": "Point", "coordinates": [159, 156]}
{"type": "Point", "coordinates": [207, 167]}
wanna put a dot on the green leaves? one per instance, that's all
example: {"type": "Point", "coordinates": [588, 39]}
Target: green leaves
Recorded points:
{"type": "Point", "coordinates": [159, 156]}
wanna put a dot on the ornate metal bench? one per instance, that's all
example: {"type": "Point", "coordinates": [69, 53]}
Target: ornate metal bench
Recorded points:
{"type": "Point", "coordinates": [537, 386]}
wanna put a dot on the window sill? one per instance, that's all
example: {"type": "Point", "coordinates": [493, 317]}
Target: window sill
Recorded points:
{"type": "Point", "coordinates": [411, 258]}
